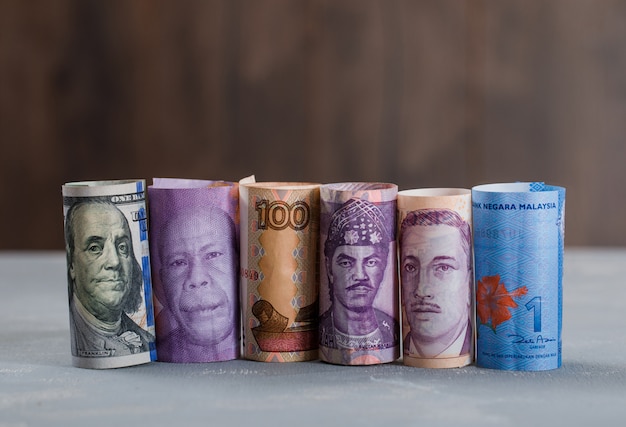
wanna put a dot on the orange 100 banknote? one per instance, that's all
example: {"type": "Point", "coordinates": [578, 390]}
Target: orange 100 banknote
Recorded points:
{"type": "Point", "coordinates": [358, 274]}
{"type": "Point", "coordinates": [279, 276]}
{"type": "Point", "coordinates": [436, 277]}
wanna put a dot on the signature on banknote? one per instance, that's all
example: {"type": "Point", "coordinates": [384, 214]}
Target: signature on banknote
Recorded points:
{"type": "Point", "coordinates": [539, 339]}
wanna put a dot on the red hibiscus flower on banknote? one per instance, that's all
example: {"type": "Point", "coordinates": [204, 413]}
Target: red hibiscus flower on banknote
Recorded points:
{"type": "Point", "coordinates": [493, 301]}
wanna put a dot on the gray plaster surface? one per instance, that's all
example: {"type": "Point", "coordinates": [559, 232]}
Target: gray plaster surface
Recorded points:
{"type": "Point", "coordinates": [38, 385]}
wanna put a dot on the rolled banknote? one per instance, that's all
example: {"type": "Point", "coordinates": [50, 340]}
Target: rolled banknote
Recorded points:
{"type": "Point", "coordinates": [108, 272]}
{"type": "Point", "coordinates": [436, 277]}
{"type": "Point", "coordinates": [518, 249]}
{"type": "Point", "coordinates": [194, 230]}
{"type": "Point", "coordinates": [279, 280]}
{"type": "Point", "coordinates": [358, 274]}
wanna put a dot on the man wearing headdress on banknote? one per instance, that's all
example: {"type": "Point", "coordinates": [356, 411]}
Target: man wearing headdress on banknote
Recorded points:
{"type": "Point", "coordinates": [356, 253]}
{"type": "Point", "coordinates": [105, 282]}
{"type": "Point", "coordinates": [199, 258]}
{"type": "Point", "coordinates": [436, 270]}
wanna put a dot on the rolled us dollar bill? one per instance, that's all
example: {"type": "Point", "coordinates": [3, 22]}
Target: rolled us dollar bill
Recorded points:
{"type": "Point", "coordinates": [279, 277]}
{"type": "Point", "coordinates": [518, 247]}
{"type": "Point", "coordinates": [194, 230]}
{"type": "Point", "coordinates": [436, 277]}
{"type": "Point", "coordinates": [358, 274]}
{"type": "Point", "coordinates": [108, 272]}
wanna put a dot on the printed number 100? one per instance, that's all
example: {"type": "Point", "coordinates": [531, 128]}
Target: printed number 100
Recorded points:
{"type": "Point", "coordinates": [279, 215]}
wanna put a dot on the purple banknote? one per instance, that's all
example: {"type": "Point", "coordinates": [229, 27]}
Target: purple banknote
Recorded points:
{"type": "Point", "coordinates": [195, 260]}
{"type": "Point", "coordinates": [358, 274]}
{"type": "Point", "coordinates": [436, 276]}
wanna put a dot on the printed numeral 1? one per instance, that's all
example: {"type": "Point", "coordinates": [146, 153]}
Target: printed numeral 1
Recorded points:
{"type": "Point", "coordinates": [535, 305]}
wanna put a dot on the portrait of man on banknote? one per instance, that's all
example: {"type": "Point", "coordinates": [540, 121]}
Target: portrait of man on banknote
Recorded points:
{"type": "Point", "coordinates": [198, 254]}
{"type": "Point", "coordinates": [105, 281]}
{"type": "Point", "coordinates": [356, 254]}
{"type": "Point", "coordinates": [436, 273]}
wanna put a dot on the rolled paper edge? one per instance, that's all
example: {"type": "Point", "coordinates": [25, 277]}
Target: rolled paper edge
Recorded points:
{"type": "Point", "coordinates": [387, 192]}
{"type": "Point", "coordinates": [187, 184]}
{"type": "Point", "coordinates": [517, 187]}
{"type": "Point", "coordinates": [360, 186]}
{"type": "Point", "coordinates": [111, 362]}
{"type": "Point", "coordinates": [104, 188]}
{"type": "Point", "coordinates": [437, 363]}
{"type": "Point", "coordinates": [336, 356]}
{"type": "Point", "coordinates": [425, 193]}
{"type": "Point", "coordinates": [269, 357]}
{"type": "Point", "coordinates": [520, 369]}
{"type": "Point", "coordinates": [278, 185]}
{"type": "Point", "coordinates": [199, 360]}
{"type": "Point", "coordinates": [103, 183]}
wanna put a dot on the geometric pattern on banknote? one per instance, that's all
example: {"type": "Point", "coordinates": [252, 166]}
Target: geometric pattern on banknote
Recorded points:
{"type": "Point", "coordinates": [298, 301]}
{"type": "Point", "coordinates": [519, 251]}
{"type": "Point", "coordinates": [254, 252]}
{"type": "Point", "coordinates": [276, 357]}
{"type": "Point", "coordinates": [276, 268]}
{"type": "Point", "coordinates": [300, 253]}
{"type": "Point", "coordinates": [503, 259]}
{"type": "Point", "coordinates": [303, 273]}
{"type": "Point", "coordinates": [306, 276]}
{"type": "Point", "coordinates": [536, 186]}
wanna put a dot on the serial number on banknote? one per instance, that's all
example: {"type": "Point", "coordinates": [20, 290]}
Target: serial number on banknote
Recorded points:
{"type": "Point", "coordinates": [498, 233]}
{"type": "Point", "coordinates": [250, 274]}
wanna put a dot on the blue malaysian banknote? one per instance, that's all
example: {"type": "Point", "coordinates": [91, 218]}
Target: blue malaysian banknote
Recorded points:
{"type": "Point", "coordinates": [518, 249]}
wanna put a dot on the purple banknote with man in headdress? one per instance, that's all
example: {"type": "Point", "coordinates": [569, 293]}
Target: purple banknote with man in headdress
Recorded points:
{"type": "Point", "coordinates": [359, 317]}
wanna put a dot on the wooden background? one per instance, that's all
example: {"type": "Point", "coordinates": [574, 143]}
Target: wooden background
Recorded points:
{"type": "Point", "coordinates": [422, 93]}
